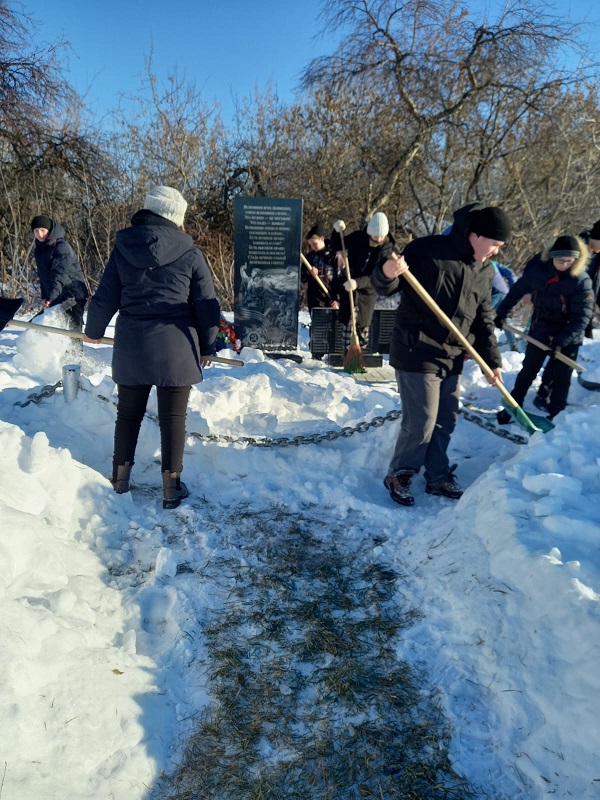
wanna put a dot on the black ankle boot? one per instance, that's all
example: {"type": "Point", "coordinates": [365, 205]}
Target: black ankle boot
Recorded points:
{"type": "Point", "coordinates": [174, 489]}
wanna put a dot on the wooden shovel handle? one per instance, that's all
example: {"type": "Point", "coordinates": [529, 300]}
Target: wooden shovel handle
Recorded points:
{"type": "Point", "coordinates": [542, 346]}
{"type": "Point", "coordinates": [60, 331]}
{"type": "Point", "coordinates": [463, 341]}
{"type": "Point", "coordinates": [232, 362]}
{"type": "Point", "coordinates": [316, 278]}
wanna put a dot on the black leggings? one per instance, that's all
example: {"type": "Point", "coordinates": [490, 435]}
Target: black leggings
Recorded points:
{"type": "Point", "coordinates": [172, 408]}
{"type": "Point", "coordinates": [556, 376]}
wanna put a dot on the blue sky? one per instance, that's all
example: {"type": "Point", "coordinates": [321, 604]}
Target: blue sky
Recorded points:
{"type": "Point", "coordinates": [227, 47]}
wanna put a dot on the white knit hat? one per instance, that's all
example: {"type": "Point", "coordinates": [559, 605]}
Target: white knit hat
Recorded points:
{"type": "Point", "coordinates": [167, 203]}
{"type": "Point", "coordinates": [378, 225]}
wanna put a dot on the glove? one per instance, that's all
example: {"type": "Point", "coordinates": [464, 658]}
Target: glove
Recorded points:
{"type": "Point", "coordinates": [499, 322]}
{"type": "Point", "coordinates": [350, 286]}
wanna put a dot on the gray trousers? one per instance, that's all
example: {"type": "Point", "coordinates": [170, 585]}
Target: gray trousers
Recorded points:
{"type": "Point", "coordinates": [430, 407]}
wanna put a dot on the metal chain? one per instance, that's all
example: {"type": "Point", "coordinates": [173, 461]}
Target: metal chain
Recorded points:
{"type": "Point", "coordinates": [47, 391]}
{"type": "Point", "coordinates": [314, 438]}
{"type": "Point", "coordinates": [284, 441]}
{"type": "Point", "coordinates": [473, 416]}
{"type": "Point", "coordinates": [295, 441]}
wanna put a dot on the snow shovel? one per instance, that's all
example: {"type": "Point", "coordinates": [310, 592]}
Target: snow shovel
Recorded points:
{"type": "Point", "coordinates": [316, 278]}
{"type": "Point", "coordinates": [10, 306]}
{"type": "Point", "coordinates": [508, 401]}
{"type": "Point", "coordinates": [531, 340]}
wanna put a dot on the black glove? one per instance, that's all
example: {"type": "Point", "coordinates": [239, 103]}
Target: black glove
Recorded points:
{"type": "Point", "coordinates": [499, 322]}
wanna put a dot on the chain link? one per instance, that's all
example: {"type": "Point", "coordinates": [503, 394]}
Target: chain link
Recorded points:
{"type": "Point", "coordinates": [37, 398]}
{"type": "Point", "coordinates": [472, 415]}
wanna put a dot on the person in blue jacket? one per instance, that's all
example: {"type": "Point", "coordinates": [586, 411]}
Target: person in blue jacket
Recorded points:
{"type": "Point", "coordinates": [168, 318]}
{"type": "Point", "coordinates": [561, 294]}
{"type": "Point", "coordinates": [59, 271]}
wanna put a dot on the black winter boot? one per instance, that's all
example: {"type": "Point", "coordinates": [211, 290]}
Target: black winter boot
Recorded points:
{"type": "Point", "coordinates": [174, 490]}
{"type": "Point", "coordinates": [120, 480]}
{"type": "Point", "coordinates": [446, 488]}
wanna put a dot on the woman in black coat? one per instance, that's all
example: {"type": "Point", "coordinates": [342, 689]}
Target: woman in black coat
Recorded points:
{"type": "Point", "coordinates": [160, 283]}
{"type": "Point", "coordinates": [561, 294]}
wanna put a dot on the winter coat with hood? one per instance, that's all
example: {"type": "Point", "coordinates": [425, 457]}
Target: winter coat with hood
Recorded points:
{"type": "Point", "coordinates": [58, 268]}
{"type": "Point", "coordinates": [445, 265]}
{"type": "Point", "coordinates": [161, 285]}
{"type": "Point", "coordinates": [562, 301]}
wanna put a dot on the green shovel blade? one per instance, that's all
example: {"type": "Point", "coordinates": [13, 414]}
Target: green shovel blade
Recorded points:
{"type": "Point", "coordinates": [532, 423]}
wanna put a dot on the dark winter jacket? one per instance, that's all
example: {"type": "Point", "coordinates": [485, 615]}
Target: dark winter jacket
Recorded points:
{"type": "Point", "coordinates": [593, 271]}
{"type": "Point", "coordinates": [58, 268]}
{"type": "Point", "coordinates": [324, 261]}
{"type": "Point", "coordinates": [362, 259]}
{"type": "Point", "coordinates": [461, 286]}
{"type": "Point", "coordinates": [161, 285]}
{"type": "Point", "coordinates": [562, 301]}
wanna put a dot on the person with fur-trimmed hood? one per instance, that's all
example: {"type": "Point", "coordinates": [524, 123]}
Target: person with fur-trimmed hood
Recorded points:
{"type": "Point", "coordinates": [562, 298]}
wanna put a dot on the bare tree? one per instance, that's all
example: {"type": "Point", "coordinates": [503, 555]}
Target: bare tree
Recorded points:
{"type": "Point", "coordinates": [440, 74]}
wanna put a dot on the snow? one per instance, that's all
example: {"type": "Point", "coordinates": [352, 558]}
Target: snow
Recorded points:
{"type": "Point", "coordinates": [103, 597]}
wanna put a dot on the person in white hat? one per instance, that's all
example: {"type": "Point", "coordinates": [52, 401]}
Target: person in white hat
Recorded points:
{"type": "Point", "coordinates": [161, 285]}
{"type": "Point", "coordinates": [366, 248]}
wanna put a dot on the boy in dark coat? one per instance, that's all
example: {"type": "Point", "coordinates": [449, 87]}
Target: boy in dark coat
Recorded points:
{"type": "Point", "coordinates": [561, 294]}
{"type": "Point", "coordinates": [59, 271]}
{"type": "Point", "coordinates": [160, 283]}
{"type": "Point", "coordinates": [455, 270]}
{"type": "Point", "coordinates": [321, 257]}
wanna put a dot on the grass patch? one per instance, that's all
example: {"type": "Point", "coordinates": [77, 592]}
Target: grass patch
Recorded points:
{"type": "Point", "coordinates": [310, 701]}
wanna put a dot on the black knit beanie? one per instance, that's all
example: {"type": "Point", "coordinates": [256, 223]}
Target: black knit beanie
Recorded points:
{"type": "Point", "coordinates": [318, 229]}
{"type": "Point", "coordinates": [595, 232]}
{"type": "Point", "coordinates": [41, 221]}
{"type": "Point", "coordinates": [491, 222]}
{"type": "Point", "coordinates": [565, 247]}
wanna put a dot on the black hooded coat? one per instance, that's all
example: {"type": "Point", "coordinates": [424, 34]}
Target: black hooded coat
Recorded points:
{"type": "Point", "coordinates": [58, 268]}
{"type": "Point", "coordinates": [161, 285]}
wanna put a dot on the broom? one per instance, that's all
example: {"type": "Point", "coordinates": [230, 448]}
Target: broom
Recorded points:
{"type": "Point", "coordinates": [353, 358]}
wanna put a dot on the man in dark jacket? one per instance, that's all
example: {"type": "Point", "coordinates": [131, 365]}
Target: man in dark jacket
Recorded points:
{"type": "Point", "coordinates": [561, 294]}
{"type": "Point", "coordinates": [59, 271]}
{"type": "Point", "coordinates": [160, 283]}
{"type": "Point", "coordinates": [455, 270]}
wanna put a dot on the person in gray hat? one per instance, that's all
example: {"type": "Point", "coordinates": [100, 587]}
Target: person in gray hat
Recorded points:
{"type": "Point", "coordinates": [366, 248]}
{"type": "Point", "coordinates": [168, 318]}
